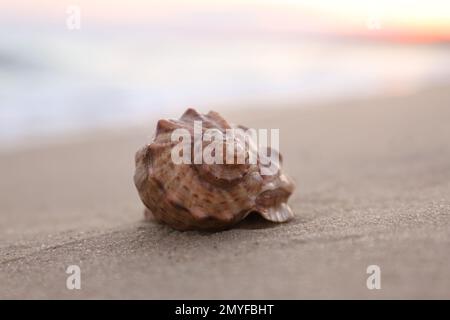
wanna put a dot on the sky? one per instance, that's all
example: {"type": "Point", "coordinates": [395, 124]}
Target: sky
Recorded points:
{"type": "Point", "coordinates": [134, 58]}
{"type": "Point", "coordinates": [402, 20]}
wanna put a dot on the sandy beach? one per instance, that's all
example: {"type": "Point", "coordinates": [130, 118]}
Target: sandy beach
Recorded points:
{"type": "Point", "coordinates": [373, 188]}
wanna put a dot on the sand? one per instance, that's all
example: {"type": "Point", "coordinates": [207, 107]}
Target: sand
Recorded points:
{"type": "Point", "coordinates": [373, 180]}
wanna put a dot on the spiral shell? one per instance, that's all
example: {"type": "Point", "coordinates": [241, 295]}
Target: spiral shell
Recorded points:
{"type": "Point", "coordinates": [206, 196]}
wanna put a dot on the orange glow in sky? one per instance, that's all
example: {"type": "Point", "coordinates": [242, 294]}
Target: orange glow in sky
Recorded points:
{"type": "Point", "coordinates": [398, 19]}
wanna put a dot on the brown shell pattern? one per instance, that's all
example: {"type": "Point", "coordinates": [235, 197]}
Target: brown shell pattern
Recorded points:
{"type": "Point", "coordinates": [205, 196]}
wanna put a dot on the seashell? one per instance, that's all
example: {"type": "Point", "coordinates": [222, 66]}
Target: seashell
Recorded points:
{"type": "Point", "coordinates": [204, 196]}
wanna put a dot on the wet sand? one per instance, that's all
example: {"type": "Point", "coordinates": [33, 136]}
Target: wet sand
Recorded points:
{"type": "Point", "coordinates": [373, 179]}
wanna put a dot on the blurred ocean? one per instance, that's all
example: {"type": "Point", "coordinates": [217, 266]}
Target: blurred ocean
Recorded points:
{"type": "Point", "coordinates": [65, 81]}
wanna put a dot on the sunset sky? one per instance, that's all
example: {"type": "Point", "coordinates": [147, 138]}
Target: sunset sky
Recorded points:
{"type": "Point", "coordinates": [400, 20]}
